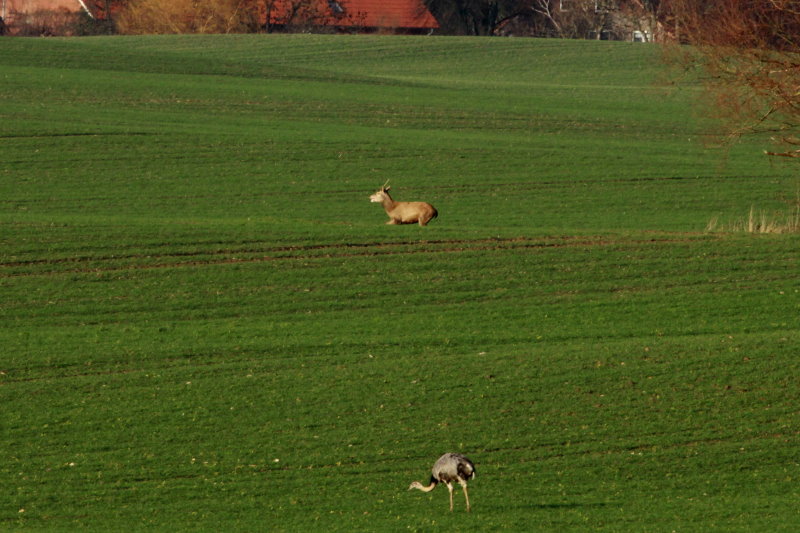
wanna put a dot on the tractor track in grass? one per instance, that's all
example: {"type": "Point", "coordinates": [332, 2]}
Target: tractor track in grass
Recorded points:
{"type": "Point", "coordinates": [220, 256]}
{"type": "Point", "coordinates": [452, 190]}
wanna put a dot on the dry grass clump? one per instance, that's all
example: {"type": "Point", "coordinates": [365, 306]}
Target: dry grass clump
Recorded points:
{"type": "Point", "coordinates": [760, 222]}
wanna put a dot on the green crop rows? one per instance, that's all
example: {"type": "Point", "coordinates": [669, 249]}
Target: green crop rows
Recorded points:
{"type": "Point", "coordinates": [207, 326]}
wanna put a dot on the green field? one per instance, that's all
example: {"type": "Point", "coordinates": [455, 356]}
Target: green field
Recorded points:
{"type": "Point", "coordinates": [207, 326]}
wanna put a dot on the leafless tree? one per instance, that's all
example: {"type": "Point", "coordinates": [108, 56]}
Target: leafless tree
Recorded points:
{"type": "Point", "coordinates": [467, 17]}
{"type": "Point", "coordinates": [750, 53]}
{"type": "Point", "coordinates": [185, 16]}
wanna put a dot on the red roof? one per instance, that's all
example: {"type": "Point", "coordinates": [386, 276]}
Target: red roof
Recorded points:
{"type": "Point", "coordinates": [26, 6]}
{"type": "Point", "coordinates": [404, 14]}
{"type": "Point", "coordinates": [22, 7]}
{"type": "Point", "coordinates": [392, 13]}
{"type": "Point", "coordinates": [30, 6]}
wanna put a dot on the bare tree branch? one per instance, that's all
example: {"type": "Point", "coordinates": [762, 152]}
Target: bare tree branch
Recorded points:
{"type": "Point", "coordinates": [751, 53]}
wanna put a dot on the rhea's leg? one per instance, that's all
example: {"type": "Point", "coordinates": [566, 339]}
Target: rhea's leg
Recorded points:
{"type": "Point", "coordinates": [466, 494]}
{"type": "Point", "coordinates": [450, 489]}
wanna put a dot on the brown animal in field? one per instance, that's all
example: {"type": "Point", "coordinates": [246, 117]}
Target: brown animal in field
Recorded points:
{"type": "Point", "coordinates": [404, 212]}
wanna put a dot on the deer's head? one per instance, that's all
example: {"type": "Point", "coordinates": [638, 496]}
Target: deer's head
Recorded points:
{"type": "Point", "coordinates": [381, 194]}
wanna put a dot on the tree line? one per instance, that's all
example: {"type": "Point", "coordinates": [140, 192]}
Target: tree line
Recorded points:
{"type": "Point", "coordinates": [598, 19]}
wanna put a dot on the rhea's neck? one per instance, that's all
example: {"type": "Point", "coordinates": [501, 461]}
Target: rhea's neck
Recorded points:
{"type": "Point", "coordinates": [428, 488]}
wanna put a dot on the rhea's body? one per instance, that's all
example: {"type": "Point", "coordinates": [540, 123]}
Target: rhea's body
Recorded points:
{"type": "Point", "coordinates": [449, 468]}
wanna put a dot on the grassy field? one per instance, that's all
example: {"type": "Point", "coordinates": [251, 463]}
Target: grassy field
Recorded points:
{"type": "Point", "coordinates": [207, 326]}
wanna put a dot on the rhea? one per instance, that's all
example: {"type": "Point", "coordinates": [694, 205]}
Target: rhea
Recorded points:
{"type": "Point", "coordinates": [448, 469]}
{"type": "Point", "coordinates": [403, 212]}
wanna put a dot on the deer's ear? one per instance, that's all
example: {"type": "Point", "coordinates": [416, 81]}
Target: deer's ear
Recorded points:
{"type": "Point", "coordinates": [386, 189]}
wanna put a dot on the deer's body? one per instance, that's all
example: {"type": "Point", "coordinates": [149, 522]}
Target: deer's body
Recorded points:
{"type": "Point", "coordinates": [404, 212]}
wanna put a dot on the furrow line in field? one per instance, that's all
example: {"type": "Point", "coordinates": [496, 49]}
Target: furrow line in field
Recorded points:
{"type": "Point", "coordinates": [336, 251]}
{"type": "Point", "coordinates": [420, 246]}
{"type": "Point", "coordinates": [263, 259]}
{"type": "Point", "coordinates": [452, 190]}
{"type": "Point", "coordinates": [223, 255]}
{"type": "Point", "coordinates": [379, 250]}
{"type": "Point", "coordinates": [253, 249]}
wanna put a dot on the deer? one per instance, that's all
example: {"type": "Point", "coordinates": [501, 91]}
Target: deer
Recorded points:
{"type": "Point", "coordinates": [403, 212]}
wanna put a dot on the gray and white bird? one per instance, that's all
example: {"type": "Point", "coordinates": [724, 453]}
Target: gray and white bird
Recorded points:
{"type": "Point", "coordinates": [449, 468]}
